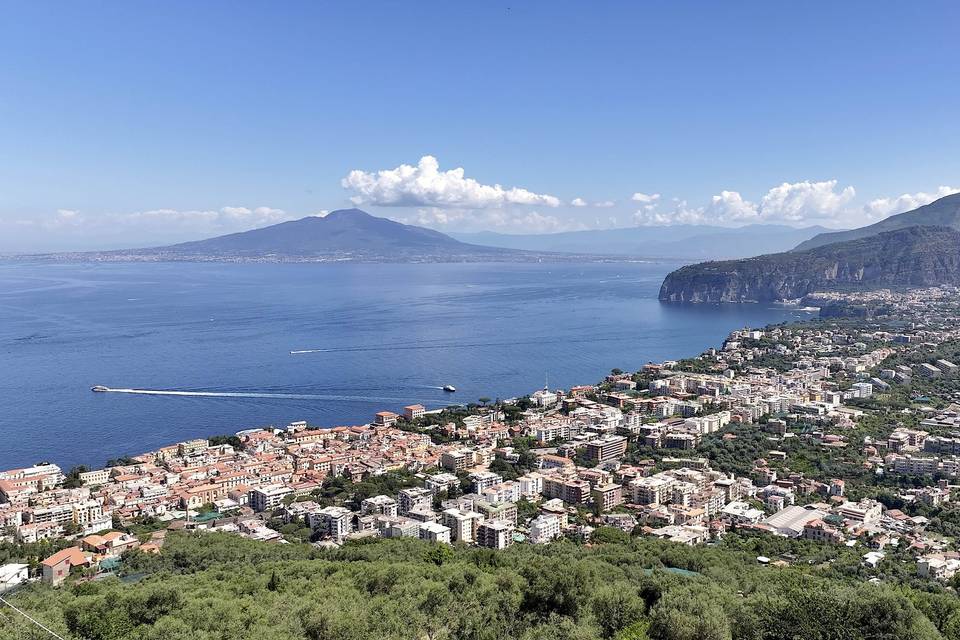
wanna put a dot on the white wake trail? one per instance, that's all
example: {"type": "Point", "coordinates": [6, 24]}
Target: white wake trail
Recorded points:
{"type": "Point", "coordinates": [244, 394]}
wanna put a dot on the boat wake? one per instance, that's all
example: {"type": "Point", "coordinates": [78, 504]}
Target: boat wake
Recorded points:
{"type": "Point", "coordinates": [251, 394]}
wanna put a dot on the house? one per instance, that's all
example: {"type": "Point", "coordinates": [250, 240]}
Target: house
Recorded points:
{"type": "Point", "coordinates": [12, 575]}
{"type": "Point", "coordinates": [111, 544]}
{"type": "Point", "coordinates": [57, 567]}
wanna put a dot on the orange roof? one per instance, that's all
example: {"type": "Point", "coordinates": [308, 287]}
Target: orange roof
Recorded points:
{"type": "Point", "coordinates": [73, 555]}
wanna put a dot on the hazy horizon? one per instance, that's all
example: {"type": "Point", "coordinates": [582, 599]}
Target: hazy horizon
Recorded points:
{"type": "Point", "coordinates": [616, 117]}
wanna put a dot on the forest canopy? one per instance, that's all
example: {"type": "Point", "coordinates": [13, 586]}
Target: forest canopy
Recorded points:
{"type": "Point", "coordinates": [216, 586]}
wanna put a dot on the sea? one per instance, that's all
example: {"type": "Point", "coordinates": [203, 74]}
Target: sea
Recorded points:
{"type": "Point", "coordinates": [253, 345]}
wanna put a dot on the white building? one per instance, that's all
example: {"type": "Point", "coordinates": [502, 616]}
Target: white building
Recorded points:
{"type": "Point", "coordinates": [379, 505]}
{"type": "Point", "coordinates": [462, 524]}
{"type": "Point", "coordinates": [544, 528]}
{"type": "Point", "coordinates": [12, 575]}
{"type": "Point", "coordinates": [331, 522]}
{"type": "Point", "coordinates": [434, 532]}
{"type": "Point", "coordinates": [268, 497]}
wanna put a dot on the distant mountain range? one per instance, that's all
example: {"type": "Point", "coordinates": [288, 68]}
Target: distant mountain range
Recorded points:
{"type": "Point", "coordinates": [354, 235]}
{"type": "Point", "coordinates": [343, 235]}
{"type": "Point", "coordinates": [944, 212]}
{"type": "Point", "coordinates": [343, 232]}
{"type": "Point", "coordinates": [914, 249]}
{"type": "Point", "coordinates": [681, 242]}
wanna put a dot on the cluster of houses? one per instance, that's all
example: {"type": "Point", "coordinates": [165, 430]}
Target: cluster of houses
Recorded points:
{"type": "Point", "coordinates": [583, 473]}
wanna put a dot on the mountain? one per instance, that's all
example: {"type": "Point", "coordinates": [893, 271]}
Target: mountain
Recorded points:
{"type": "Point", "coordinates": [944, 212]}
{"type": "Point", "coordinates": [685, 242]}
{"type": "Point", "coordinates": [917, 256]}
{"type": "Point", "coordinates": [343, 235]}
{"type": "Point", "coordinates": [346, 231]}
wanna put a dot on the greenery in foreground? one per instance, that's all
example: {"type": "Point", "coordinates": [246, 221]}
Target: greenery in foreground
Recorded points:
{"type": "Point", "coordinates": [216, 586]}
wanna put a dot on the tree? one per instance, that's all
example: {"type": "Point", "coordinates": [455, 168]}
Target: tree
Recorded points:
{"type": "Point", "coordinates": [483, 401]}
{"type": "Point", "coordinates": [273, 584]}
{"type": "Point", "coordinates": [616, 607]}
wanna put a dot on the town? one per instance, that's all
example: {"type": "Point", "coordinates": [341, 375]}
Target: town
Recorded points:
{"type": "Point", "coordinates": [836, 431]}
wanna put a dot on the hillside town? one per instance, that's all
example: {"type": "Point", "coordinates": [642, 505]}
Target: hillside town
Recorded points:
{"type": "Point", "coordinates": [834, 432]}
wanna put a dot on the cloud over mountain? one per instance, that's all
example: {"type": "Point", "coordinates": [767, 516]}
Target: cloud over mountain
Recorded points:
{"type": "Point", "coordinates": [804, 201]}
{"type": "Point", "coordinates": [426, 185]}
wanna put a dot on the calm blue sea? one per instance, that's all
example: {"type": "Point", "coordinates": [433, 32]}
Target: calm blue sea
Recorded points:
{"type": "Point", "coordinates": [373, 337]}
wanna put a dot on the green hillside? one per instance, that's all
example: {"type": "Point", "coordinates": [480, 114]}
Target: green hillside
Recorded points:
{"type": "Point", "coordinates": [215, 586]}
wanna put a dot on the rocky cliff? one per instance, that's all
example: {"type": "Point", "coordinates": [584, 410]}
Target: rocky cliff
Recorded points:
{"type": "Point", "coordinates": [911, 257]}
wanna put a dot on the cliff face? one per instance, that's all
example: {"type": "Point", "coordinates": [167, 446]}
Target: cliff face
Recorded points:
{"type": "Point", "coordinates": [915, 256]}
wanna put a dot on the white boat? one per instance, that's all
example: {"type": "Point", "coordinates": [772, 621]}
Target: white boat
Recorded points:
{"type": "Point", "coordinates": [99, 388]}
{"type": "Point", "coordinates": [449, 388]}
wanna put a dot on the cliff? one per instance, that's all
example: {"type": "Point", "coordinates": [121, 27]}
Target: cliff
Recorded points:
{"type": "Point", "coordinates": [913, 257]}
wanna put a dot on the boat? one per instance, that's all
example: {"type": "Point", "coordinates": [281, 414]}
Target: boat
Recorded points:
{"type": "Point", "coordinates": [99, 388]}
{"type": "Point", "coordinates": [449, 388]}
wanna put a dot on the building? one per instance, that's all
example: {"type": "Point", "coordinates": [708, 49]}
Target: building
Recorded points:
{"type": "Point", "coordinates": [606, 448]}
{"type": "Point", "coordinates": [268, 497]}
{"type": "Point", "coordinates": [651, 489]}
{"type": "Point", "coordinates": [866, 511]}
{"type": "Point", "coordinates": [819, 531]}
{"type": "Point", "coordinates": [441, 482]}
{"type": "Point", "coordinates": [111, 544]}
{"type": "Point", "coordinates": [414, 411]}
{"type": "Point", "coordinates": [414, 497]}
{"type": "Point", "coordinates": [100, 476]}
{"type": "Point", "coordinates": [331, 522]}
{"type": "Point", "coordinates": [12, 575]}
{"type": "Point", "coordinates": [57, 567]}
{"type": "Point", "coordinates": [457, 460]}
{"type": "Point", "coordinates": [607, 496]}
{"type": "Point", "coordinates": [434, 532]}
{"type": "Point", "coordinates": [379, 505]}
{"type": "Point", "coordinates": [495, 534]}
{"type": "Point", "coordinates": [385, 418]}
{"type": "Point", "coordinates": [483, 480]}
{"type": "Point", "coordinates": [462, 524]}
{"type": "Point", "coordinates": [544, 528]}
{"type": "Point", "coordinates": [506, 511]}
{"type": "Point", "coordinates": [790, 521]}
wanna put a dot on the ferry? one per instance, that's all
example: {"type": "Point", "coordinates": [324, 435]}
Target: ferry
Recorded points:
{"type": "Point", "coordinates": [449, 388]}
{"type": "Point", "coordinates": [99, 388]}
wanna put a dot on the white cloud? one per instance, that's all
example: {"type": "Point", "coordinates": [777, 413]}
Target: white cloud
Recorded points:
{"type": "Point", "coordinates": [65, 218]}
{"type": "Point", "coordinates": [501, 220]}
{"type": "Point", "coordinates": [729, 206]}
{"type": "Point", "coordinates": [794, 202]}
{"type": "Point", "coordinates": [226, 218]}
{"type": "Point", "coordinates": [602, 204]}
{"type": "Point", "coordinates": [426, 185]}
{"type": "Point", "coordinates": [645, 198]}
{"type": "Point", "coordinates": [883, 207]}
{"type": "Point", "coordinates": [788, 202]}
{"type": "Point", "coordinates": [649, 216]}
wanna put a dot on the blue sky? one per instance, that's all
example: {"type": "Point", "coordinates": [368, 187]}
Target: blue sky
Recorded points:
{"type": "Point", "coordinates": [134, 123]}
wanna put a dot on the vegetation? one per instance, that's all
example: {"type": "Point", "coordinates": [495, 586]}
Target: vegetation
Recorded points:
{"type": "Point", "coordinates": [215, 586]}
